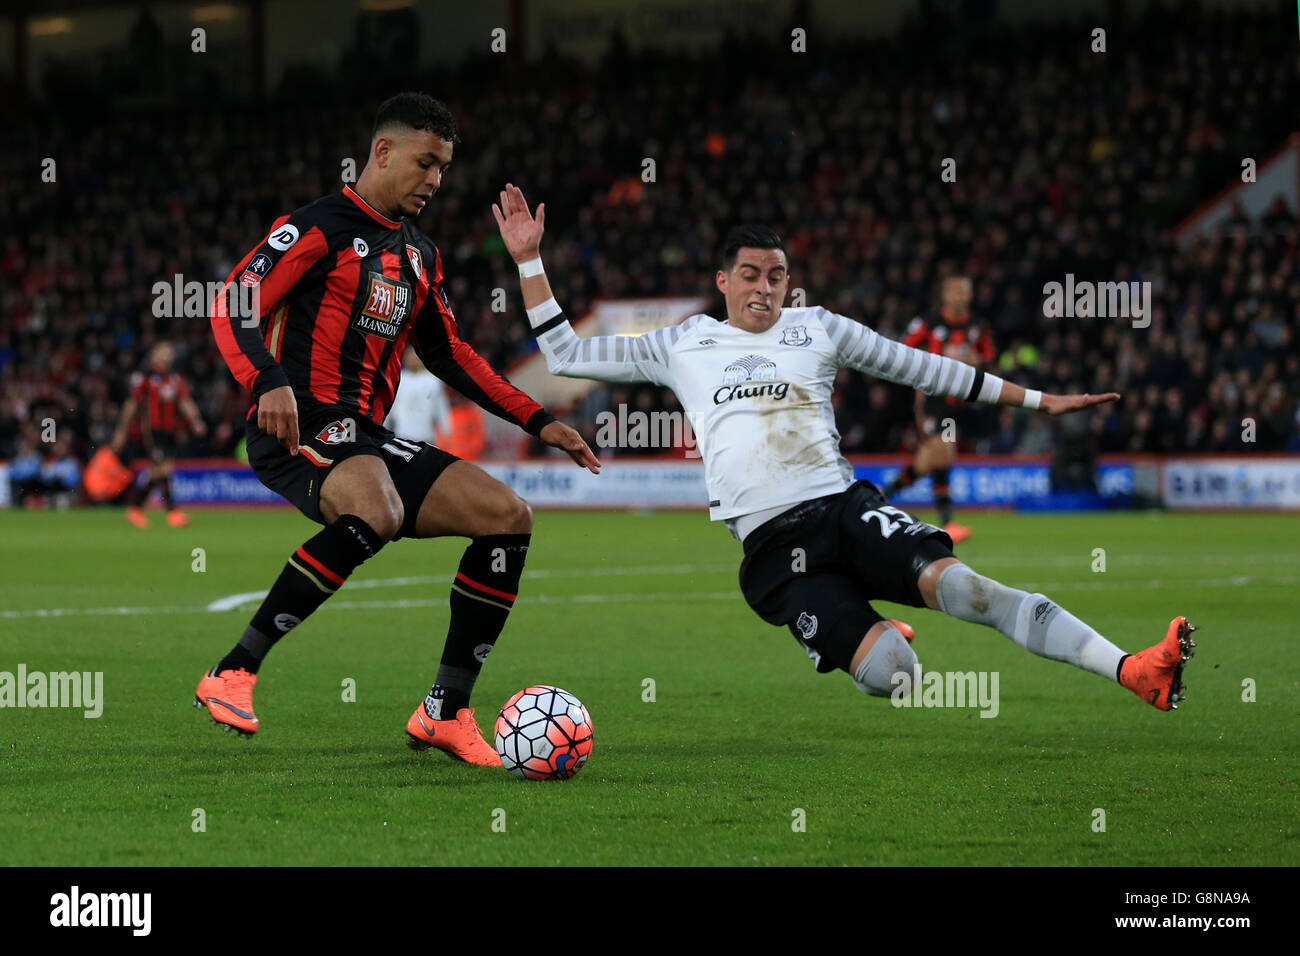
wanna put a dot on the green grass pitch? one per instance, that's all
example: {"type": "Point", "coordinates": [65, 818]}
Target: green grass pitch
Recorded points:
{"type": "Point", "coordinates": [741, 734]}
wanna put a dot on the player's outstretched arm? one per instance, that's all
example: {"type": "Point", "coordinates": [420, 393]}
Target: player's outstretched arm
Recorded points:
{"type": "Point", "coordinates": [1013, 394]}
{"type": "Point", "coordinates": [191, 410]}
{"type": "Point", "coordinates": [868, 351]}
{"type": "Point", "coordinates": [607, 358]}
{"type": "Point", "coordinates": [862, 348]}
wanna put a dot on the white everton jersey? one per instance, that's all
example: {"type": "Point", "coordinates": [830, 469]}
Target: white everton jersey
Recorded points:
{"type": "Point", "coordinates": [760, 403]}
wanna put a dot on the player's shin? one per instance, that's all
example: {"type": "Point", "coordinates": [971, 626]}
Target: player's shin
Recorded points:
{"type": "Point", "coordinates": [314, 572]}
{"type": "Point", "coordinates": [1031, 620]}
{"type": "Point", "coordinates": [884, 667]}
{"type": "Point", "coordinates": [482, 595]}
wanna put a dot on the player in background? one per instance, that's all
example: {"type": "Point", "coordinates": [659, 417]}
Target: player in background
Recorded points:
{"type": "Point", "coordinates": [344, 285]}
{"type": "Point", "coordinates": [420, 407]}
{"type": "Point", "coordinates": [148, 429]}
{"type": "Point", "coordinates": [819, 547]}
{"type": "Point", "coordinates": [948, 331]}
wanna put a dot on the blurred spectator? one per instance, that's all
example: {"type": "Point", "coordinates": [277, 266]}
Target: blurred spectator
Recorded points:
{"type": "Point", "coordinates": [25, 473]}
{"type": "Point", "coordinates": [61, 475]}
{"type": "Point", "coordinates": [465, 435]}
{"type": "Point", "coordinates": [43, 477]}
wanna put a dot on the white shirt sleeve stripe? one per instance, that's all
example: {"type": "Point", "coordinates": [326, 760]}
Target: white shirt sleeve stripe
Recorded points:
{"type": "Point", "coordinates": [609, 358]}
{"type": "Point", "coordinates": [864, 349]}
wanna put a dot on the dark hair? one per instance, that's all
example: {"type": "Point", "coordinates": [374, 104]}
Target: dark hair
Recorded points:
{"type": "Point", "coordinates": [751, 236]}
{"type": "Point", "coordinates": [417, 111]}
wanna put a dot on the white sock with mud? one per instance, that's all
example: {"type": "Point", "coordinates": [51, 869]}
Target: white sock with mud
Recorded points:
{"type": "Point", "coordinates": [890, 655]}
{"type": "Point", "coordinates": [1031, 620]}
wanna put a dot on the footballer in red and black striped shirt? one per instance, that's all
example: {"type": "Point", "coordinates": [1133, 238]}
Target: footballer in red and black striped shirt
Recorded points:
{"type": "Point", "coordinates": [149, 427]}
{"type": "Point", "coordinates": [314, 322]}
{"type": "Point", "coordinates": [945, 422]}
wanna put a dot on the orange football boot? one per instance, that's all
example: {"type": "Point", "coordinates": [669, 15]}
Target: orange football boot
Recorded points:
{"type": "Point", "coordinates": [137, 517]}
{"type": "Point", "coordinates": [903, 628]}
{"type": "Point", "coordinates": [958, 532]}
{"type": "Point", "coordinates": [228, 696]}
{"type": "Point", "coordinates": [1156, 674]}
{"type": "Point", "coordinates": [461, 737]}
{"type": "Point", "coordinates": [177, 518]}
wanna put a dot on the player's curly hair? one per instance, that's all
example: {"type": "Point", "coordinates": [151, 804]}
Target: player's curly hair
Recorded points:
{"type": "Point", "coordinates": [751, 236]}
{"type": "Point", "coordinates": [417, 111]}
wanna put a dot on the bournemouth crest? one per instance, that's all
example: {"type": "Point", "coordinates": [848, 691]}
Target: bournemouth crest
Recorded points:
{"type": "Point", "coordinates": [336, 433]}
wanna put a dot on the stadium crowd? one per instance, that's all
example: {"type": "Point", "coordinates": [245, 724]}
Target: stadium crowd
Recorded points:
{"type": "Point", "coordinates": [1067, 162]}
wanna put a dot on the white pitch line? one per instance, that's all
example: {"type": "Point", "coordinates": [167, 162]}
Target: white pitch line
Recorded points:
{"type": "Point", "coordinates": [248, 597]}
{"type": "Point", "coordinates": [681, 597]}
{"type": "Point", "coordinates": [234, 601]}
{"type": "Point", "coordinates": [95, 611]}
{"type": "Point", "coordinates": [568, 599]}
{"type": "Point", "coordinates": [1127, 559]}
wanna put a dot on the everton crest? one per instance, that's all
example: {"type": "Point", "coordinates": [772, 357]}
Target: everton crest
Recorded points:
{"type": "Point", "coordinates": [795, 335]}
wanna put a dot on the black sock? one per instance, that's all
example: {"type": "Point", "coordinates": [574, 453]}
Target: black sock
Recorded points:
{"type": "Point", "coordinates": [312, 574]}
{"type": "Point", "coordinates": [942, 500]}
{"type": "Point", "coordinates": [138, 494]}
{"type": "Point", "coordinates": [166, 484]}
{"type": "Point", "coordinates": [904, 479]}
{"type": "Point", "coordinates": [482, 595]}
{"type": "Point", "coordinates": [147, 491]}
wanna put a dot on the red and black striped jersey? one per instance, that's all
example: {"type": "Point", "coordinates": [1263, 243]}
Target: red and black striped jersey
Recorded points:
{"type": "Point", "coordinates": [158, 396]}
{"type": "Point", "coordinates": [964, 341]}
{"type": "Point", "coordinates": [328, 302]}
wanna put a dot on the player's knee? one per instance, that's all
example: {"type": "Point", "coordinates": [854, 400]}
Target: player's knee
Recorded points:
{"type": "Point", "coordinates": [891, 664]}
{"type": "Point", "coordinates": [508, 514]}
{"type": "Point", "coordinates": [384, 515]}
{"type": "Point", "coordinates": [521, 521]}
{"type": "Point", "coordinates": [390, 518]}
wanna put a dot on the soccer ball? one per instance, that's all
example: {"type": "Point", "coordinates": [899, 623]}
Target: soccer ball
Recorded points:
{"type": "Point", "coordinates": [543, 733]}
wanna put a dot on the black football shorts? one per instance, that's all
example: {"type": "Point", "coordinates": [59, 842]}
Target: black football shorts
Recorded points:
{"type": "Point", "coordinates": [329, 434]}
{"type": "Point", "coordinates": [160, 447]}
{"type": "Point", "coordinates": [817, 567]}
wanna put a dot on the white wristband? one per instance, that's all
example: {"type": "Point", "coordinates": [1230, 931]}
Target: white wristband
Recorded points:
{"type": "Point", "coordinates": [1033, 398]}
{"type": "Point", "coordinates": [533, 267]}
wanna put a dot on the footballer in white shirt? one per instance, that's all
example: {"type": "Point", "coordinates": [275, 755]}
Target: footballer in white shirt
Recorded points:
{"type": "Point", "coordinates": [818, 546]}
